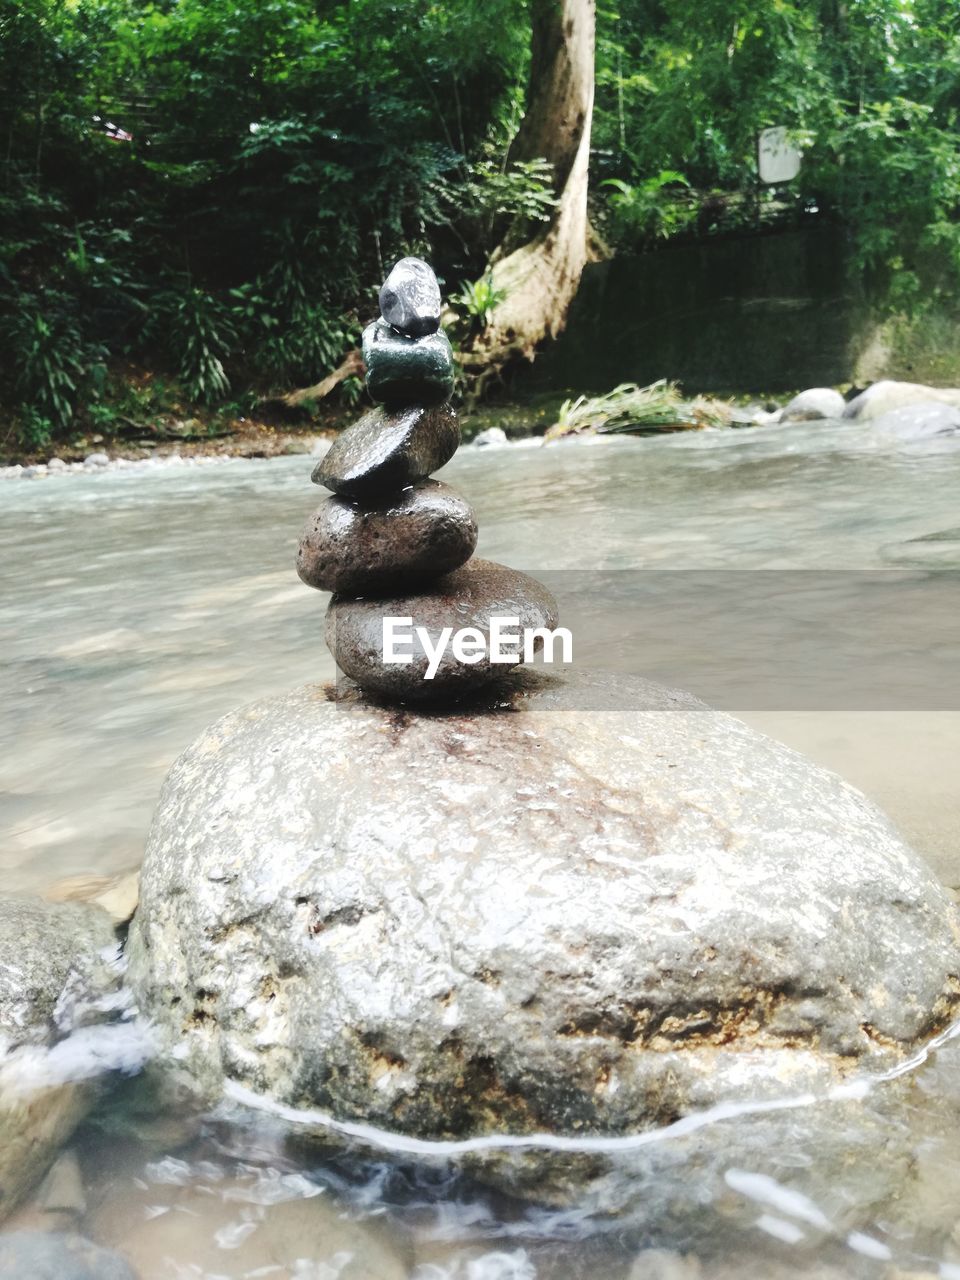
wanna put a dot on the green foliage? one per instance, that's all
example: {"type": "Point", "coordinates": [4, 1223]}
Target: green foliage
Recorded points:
{"type": "Point", "coordinates": [508, 199]}
{"type": "Point", "coordinates": [275, 155]}
{"type": "Point", "coordinates": [477, 301]}
{"type": "Point", "coordinates": [351, 389]}
{"type": "Point", "coordinates": [52, 364]}
{"type": "Point", "coordinates": [647, 211]}
{"type": "Point", "coordinates": [868, 89]}
{"type": "Point", "coordinates": [278, 156]}
{"type": "Point", "coordinates": [199, 334]}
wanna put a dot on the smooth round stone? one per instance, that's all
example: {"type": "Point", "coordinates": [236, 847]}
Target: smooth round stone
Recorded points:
{"type": "Point", "coordinates": [813, 404]}
{"type": "Point", "coordinates": [410, 298]}
{"type": "Point", "coordinates": [423, 532]}
{"type": "Point", "coordinates": [884, 396]}
{"type": "Point", "coordinates": [468, 597]}
{"type": "Point", "coordinates": [402, 370]}
{"type": "Point", "coordinates": [387, 450]}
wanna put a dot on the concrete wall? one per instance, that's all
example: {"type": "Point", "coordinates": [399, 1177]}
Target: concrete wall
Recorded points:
{"type": "Point", "coordinates": [761, 313]}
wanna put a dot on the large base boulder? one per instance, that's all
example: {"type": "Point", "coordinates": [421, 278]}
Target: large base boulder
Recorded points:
{"type": "Point", "coordinates": [593, 908]}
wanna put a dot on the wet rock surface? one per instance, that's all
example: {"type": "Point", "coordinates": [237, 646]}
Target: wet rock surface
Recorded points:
{"type": "Point", "coordinates": [425, 531]}
{"type": "Point", "coordinates": [410, 298]}
{"type": "Point", "coordinates": [887, 395]}
{"type": "Point", "coordinates": [533, 919]}
{"type": "Point", "coordinates": [41, 1255]}
{"type": "Point", "coordinates": [813, 404]}
{"type": "Point", "coordinates": [402, 370]}
{"type": "Point", "coordinates": [917, 422]}
{"type": "Point", "coordinates": [42, 947]}
{"type": "Point", "coordinates": [468, 597]}
{"type": "Point", "coordinates": [55, 962]}
{"type": "Point", "coordinates": [389, 449]}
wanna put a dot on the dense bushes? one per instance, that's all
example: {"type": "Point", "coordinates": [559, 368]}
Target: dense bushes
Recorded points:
{"type": "Point", "coordinates": [213, 188]}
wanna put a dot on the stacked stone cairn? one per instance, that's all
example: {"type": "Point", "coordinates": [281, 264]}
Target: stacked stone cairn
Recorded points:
{"type": "Point", "coordinates": [391, 541]}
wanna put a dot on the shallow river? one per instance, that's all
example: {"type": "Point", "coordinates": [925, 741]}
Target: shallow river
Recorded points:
{"type": "Point", "coordinates": [141, 604]}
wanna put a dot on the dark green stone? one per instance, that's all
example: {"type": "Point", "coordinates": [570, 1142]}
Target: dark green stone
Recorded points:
{"type": "Point", "coordinates": [403, 370]}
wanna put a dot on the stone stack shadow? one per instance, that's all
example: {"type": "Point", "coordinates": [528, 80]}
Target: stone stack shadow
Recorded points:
{"type": "Point", "coordinates": [391, 541]}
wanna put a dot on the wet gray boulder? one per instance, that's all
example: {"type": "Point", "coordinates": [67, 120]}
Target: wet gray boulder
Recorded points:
{"type": "Point", "coordinates": [410, 298]}
{"type": "Point", "coordinates": [403, 370]}
{"type": "Point", "coordinates": [491, 436]}
{"type": "Point", "coordinates": [44, 948]}
{"type": "Point", "coordinates": [420, 533]}
{"type": "Point", "coordinates": [813, 404]}
{"type": "Point", "coordinates": [56, 962]}
{"type": "Point", "coordinates": [595, 908]}
{"type": "Point", "coordinates": [916, 422]}
{"type": "Point", "coordinates": [882, 397]}
{"type": "Point", "coordinates": [468, 597]}
{"type": "Point", "coordinates": [43, 1255]}
{"type": "Point", "coordinates": [387, 450]}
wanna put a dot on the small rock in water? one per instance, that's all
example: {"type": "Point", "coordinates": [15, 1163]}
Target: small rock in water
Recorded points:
{"type": "Point", "coordinates": [410, 298]}
{"type": "Point", "coordinates": [423, 532]}
{"type": "Point", "coordinates": [468, 597]}
{"type": "Point", "coordinates": [42, 1255]}
{"type": "Point", "coordinates": [387, 450]}
{"type": "Point", "coordinates": [56, 464]}
{"type": "Point", "coordinates": [96, 460]}
{"type": "Point", "coordinates": [492, 435]}
{"type": "Point", "coordinates": [62, 1188]}
{"type": "Point", "coordinates": [814, 403]}
{"type": "Point", "coordinates": [884, 396]}
{"type": "Point", "coordinates": [402, 370]}
{"type": "Point", "coordinates": [917, 422]}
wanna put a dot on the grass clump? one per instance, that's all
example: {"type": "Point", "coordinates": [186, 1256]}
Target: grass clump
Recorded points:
{"type": "Point", "coordinates": [632, 410]}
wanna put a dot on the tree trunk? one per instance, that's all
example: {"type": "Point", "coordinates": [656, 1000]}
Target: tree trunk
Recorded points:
{"type": "Point", "coordinates": [541, 278]}
{"type": "Point", "coordinates": [351, 367]}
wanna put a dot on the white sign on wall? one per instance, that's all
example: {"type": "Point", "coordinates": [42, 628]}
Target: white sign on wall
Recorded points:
{"type": "Point", "coordinates": [778, 158]}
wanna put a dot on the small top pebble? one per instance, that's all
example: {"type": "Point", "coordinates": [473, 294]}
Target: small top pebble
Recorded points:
{"type": "Point", "coordinates": [410, 298]}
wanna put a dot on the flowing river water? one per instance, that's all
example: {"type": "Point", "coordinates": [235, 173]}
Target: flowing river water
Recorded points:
{"type": "Point", "coordinates": [141, 604]}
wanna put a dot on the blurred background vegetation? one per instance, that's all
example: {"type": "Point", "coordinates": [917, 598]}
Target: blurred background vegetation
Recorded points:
{"type": "Point", "coordinates": [199, 198]}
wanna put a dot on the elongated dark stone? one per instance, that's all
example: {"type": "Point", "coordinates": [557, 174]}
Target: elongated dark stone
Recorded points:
{"type": "Point", "coordinates": [386, 451]}
{"type": "Point", "coordinates": [402, 370]}
{"type": "Point", "coordinates": [422, 533]}
{"type": "Point", "coordinates": [410, 298]}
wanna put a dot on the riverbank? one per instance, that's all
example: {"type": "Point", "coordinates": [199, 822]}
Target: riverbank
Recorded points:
{"type": "Point", "coordinates": [213, 438]}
